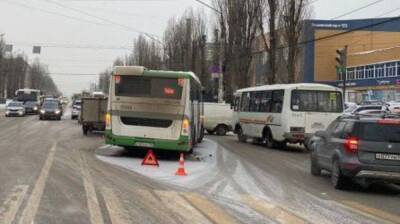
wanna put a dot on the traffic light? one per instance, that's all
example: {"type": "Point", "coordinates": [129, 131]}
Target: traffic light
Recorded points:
{"type": "Point", "coordinates": [341, 57]}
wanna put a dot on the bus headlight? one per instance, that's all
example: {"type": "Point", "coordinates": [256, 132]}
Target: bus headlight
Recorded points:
{"type": "Point", "coordinates": [185, 127]}
{"type": "Point", "coordinates": [58, 111]}
{"type": "Point", "coordinates": [35, 108]}
{"type": "Point", "coordinates": [42, 111]}
{"type": "Point", "coordinates": [108, 120]}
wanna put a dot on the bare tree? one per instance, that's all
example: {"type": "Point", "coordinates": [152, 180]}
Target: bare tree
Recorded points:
{"type": "Point", "coordinates": [269, 11]}
{"type": "Point", "coordinates": [147, 53]}
{"type": "Point", "coordinates": [292, 16]}
{"type": "Point", "coordinates": [239, 23]}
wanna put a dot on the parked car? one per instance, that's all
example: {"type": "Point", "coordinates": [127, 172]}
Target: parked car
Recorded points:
{"type": "Point", "coordinates": [358, 148]}
{"type": "Point", "coordinates": [360, 108]}
{"type": "Point", "coordinates": [394, 107]}
{"type": "Point", "coordinates": [50, 110]}
{"type": "Point", "coordinates": [15, 108]}
{"type": "Point", "coordinates": [76, 109]}
{"type": "Point", "coordinates": [217, 118]}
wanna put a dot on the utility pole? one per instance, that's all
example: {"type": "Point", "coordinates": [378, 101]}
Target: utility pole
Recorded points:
{"type": "Point", "coordinates": [341, 59]}
{"type": "Point", "coordinates": [221, 43]}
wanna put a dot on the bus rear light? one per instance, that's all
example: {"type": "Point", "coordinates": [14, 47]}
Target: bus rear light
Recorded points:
{"type": "Point", "coordinates": [389, 121]}
{"type": "Point", "coordinates": [351, 145]}
{"type": "Point", "coordinates": [108, 120]}
{"type": "Point", "coordinates": [117, 79]}
{"type": "Point", "coordinates": [185, 127]}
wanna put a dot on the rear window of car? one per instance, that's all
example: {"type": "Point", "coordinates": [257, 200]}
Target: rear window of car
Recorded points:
{"type": "Point", "coordinates": [379, 132]}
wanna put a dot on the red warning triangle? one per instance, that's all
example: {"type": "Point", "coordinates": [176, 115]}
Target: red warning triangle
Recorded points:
{"type": "Point", "coordinates": [150, 159]}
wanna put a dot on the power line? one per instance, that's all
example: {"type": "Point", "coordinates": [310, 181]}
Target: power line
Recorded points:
{"type": "Point", "coordinates": [151, 36]}
{"type": "Point", "coordinates": [63, 15]}
{"type": "Point", "coordinates": [208, 5]}
{"type": "Point", "coordinates": [357, 9]}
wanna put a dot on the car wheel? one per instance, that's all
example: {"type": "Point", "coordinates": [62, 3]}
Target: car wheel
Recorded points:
{"type": "Point", "coordinates": [221, 130]}
{"type": "Point", "coordinates": [339, 181]}
{"type": "Point", "coordinates": [314, 167]}
{"type": "Point", "coordinates": [241, 137]}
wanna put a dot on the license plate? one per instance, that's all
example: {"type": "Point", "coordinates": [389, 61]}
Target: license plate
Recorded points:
{"type": "Point", "coordinates": [144, 144]}
{"type": "Point", "coordinates": [384, 156]}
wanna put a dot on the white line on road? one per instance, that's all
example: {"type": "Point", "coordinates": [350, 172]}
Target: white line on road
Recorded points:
{"type": "Point", "coordinates": [92, 201]}
{"type": "Point", "coordinates": [116, 210]}
{"type": "Point", "coordinates": [12, 203]}
{"type": "Point", "coordinates": [178, 205]}
{"type": "Point", "coordinates": [32, 206]}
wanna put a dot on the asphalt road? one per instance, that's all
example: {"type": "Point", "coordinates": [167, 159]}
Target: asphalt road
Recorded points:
{"type": "Point", "coordinates": [49, 173]}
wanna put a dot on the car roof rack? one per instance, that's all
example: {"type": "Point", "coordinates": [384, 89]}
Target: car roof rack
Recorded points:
{"type": "Point", "coordinates": [383, 115]}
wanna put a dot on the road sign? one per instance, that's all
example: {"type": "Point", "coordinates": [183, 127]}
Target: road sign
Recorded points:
{"type": "Point", "coordinates": [150, 159]}
{"type": "Point", "coordinates": [36, 49]}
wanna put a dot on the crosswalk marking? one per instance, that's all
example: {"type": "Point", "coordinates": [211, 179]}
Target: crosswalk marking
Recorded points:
{"type": "Point", "coordinates": [32, 206]}
{"type": "Point", "coordinates": [178, 205]}
{"type": "Point", "coordinates": [369, 211]}
{"type": "Point", "coordinates": [116, 210]}
{"type": "Point", "coordinates": [92, 201]}
{"type": "Point", "coordinates": [272, 211]}
{"type": "Point", "coordinates": [212, 211]}
{"type": "Point", "coordinates": [12, 203]}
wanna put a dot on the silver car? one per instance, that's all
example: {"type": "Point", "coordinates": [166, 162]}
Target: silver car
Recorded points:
{"type": "Point", "coordinates": [15, 108]}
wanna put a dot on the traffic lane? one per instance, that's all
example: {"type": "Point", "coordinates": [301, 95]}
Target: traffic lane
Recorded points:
{"type": "Point", "coordinates": [49, 174]}
{"type": "Point", "coordinates": [291, 168]}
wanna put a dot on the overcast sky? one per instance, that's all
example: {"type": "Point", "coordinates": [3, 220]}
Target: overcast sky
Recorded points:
{"type": "Point", "coordinates": [76, 43]}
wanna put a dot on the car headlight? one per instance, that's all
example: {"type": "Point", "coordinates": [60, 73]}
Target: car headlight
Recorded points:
{"type": "Point", "coordinates": [20, 112]}
{"type": "Point", "coordinates": [58, 111]}
{"type": "Point", "coordinates": [42, 111]}
{"type": "Point", "coordinates": [35, 108]}
{"type": "Point", "coordinates": [7, 112]}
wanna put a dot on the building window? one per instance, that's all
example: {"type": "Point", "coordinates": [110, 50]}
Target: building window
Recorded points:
{"type": "Point", "coordinates": [360, 72]}
{"type": "Point", "coordinates": [391, 69]}
{"type": "Point", "coordinates": [379, 71]}
{"type": "Point", "coordinates": [370, 72]}
{"type": "Point", "coordinates": [398, 68]}
{"type": "Point", "coordinates": [350, 74]}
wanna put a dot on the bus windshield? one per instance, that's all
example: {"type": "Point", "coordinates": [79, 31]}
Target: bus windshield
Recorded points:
{"type": "Point", "coordinates": [27, 96]}
{"type": "Point", "coordinates": [150, 87]}
{"type": "Point", "coordinates": [317, 101]}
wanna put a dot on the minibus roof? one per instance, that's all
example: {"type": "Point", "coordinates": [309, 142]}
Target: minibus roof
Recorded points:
{"type": "Point", "coordinates": [142, 71]}
{"type": "Point", "coordinates": [305, 86]}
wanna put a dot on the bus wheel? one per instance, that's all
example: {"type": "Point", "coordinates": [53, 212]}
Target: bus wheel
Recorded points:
{"type": "Point", "coordinates": [240, 135]}
{"type": "Point", "coordinates": [221, 129]}
{"type": "Point", "coordinates": [269, 141]}
{"type": "Point", "coordinates": [85, 130]}
{"type": "Point", "coordinates": [210, 132]}
{"type": "Point", "coordinates": [201, 134]}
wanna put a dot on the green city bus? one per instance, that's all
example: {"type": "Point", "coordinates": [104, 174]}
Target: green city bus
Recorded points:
{"type": "Point", "coordinates": [154, 109]}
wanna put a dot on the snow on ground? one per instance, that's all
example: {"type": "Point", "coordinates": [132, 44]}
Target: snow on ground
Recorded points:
{"type": "Point", "coordinates": [200, 166]}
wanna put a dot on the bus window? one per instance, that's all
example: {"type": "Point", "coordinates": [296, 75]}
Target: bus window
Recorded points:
{"type": "Point", "coordinates": [266, 101]}
{"type": "Point", "coordinates": [316, 101]}
{"type": "Point", "coordinates": [245, 102]}
{"type": "Point", "coordinates": [277, 101]}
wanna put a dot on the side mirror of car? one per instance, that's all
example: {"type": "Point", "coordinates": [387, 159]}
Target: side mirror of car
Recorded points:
{"type": "Point", "coordinates": [321, 134]}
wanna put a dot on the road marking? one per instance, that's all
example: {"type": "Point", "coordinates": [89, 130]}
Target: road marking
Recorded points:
{"type": "Point", "coordinates": [116, 210]}
{"type": "Point", "coordinates": [12, 203]}
{"type": "Point", "coordinates": [272, 211]}
{"type": "Point", "coordinates": [372, 212]}
{"type": "Point", "coordinates": [33, 203]}
{"type": "Point", "coordinates": [92, 201]}
{"type": "Point", "coordinates": [212, 211]}
{"type": "Point", "coordinates": [178, 205]}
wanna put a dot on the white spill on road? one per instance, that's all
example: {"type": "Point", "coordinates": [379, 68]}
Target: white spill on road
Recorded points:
{"type": "Point", "coordinates": [220, 174]}
{"type": "Point", "coordinates": [200, 166]}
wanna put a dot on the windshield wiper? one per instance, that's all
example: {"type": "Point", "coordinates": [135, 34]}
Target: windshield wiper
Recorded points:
{"type": "Point", "coordinates": [394, 140]}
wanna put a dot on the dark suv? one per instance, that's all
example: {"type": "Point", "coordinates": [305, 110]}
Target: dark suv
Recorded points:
{"type": "Point", "coordinates": [361, 148]}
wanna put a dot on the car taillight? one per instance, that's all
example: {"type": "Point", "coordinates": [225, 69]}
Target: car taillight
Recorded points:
{"type": "Point", "coordinates": [389, 121]}
{"type": "Point", "coordinates": [108, 120]}
{"type": "Point", "coordinates": [185, 127]}
{"type": "Point", "coordinates": [351, 145]}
